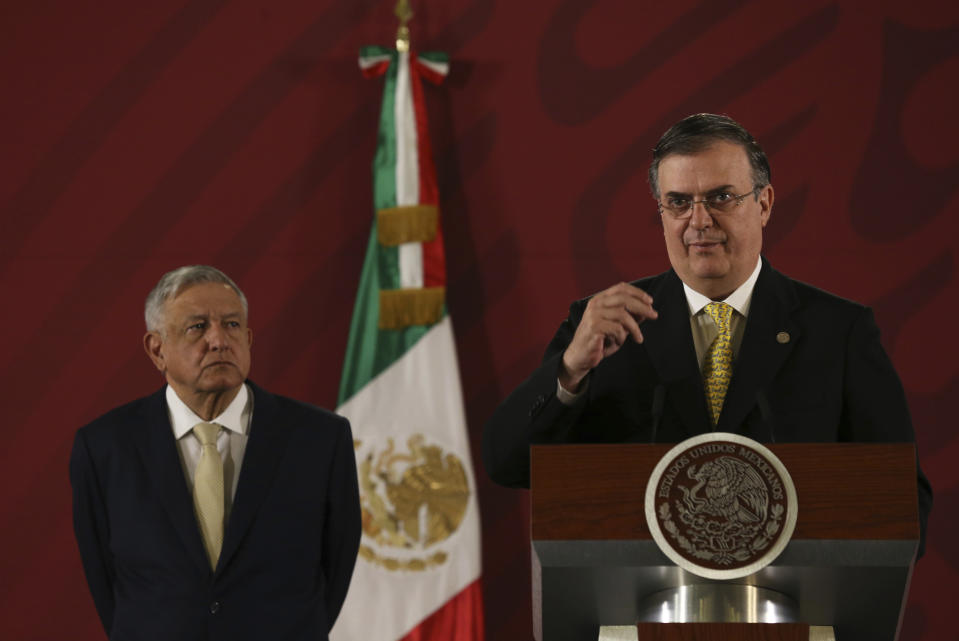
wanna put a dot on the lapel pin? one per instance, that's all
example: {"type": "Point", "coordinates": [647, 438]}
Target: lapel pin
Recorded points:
{"type": "Point", "coordinates": [782, 338]}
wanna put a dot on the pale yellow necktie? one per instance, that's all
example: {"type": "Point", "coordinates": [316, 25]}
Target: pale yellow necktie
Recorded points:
{"type": "Point", "coordinates": [208, 490]}
{"type": "Point", "coordinates": [718, 364]}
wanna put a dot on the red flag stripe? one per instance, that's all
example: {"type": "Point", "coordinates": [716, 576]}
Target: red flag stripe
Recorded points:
{"type": "Point", "coordinates": [434, 254]}
{"type": "Point", "coordinates": [459, 619]}
{"type": "Point", "coordinates": [376, 69]}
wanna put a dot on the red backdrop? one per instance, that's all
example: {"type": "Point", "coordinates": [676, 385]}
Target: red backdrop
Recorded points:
{"type": "Point", "coordinates": [142, 136]}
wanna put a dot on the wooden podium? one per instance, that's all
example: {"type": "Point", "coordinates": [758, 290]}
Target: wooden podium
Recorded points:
{"type": "Point", "coordinates": [848, 564]}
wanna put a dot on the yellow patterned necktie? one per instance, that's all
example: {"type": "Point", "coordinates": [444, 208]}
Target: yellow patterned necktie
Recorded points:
{"type": "Point", "coordinates": [208, 491]}
{"type": "Point", "coordinates": [718, 364]}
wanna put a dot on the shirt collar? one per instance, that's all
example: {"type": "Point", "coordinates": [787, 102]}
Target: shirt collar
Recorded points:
{"type": "Point", "coordinates": [738, 300]}
{"type": "Point", "coordinates": [182, 418]}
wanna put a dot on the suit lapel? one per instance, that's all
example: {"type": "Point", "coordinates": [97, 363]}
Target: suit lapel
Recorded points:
{"type": "Point", "coordinates": [268, 438]}
{"type": "Point", "coordinates": [157, 449]}
{"type": "Point", "coordinates": [768, 340]}
{"type": "Point", "coordinates": [669, 343]}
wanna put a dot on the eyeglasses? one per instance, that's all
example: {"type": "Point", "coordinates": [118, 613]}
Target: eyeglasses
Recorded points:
{"type": "Point", "coordinates": [721, 202]}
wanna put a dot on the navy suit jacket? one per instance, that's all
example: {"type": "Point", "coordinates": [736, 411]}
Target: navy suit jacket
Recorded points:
{"type": "Point", "coordinates": [289, 546]}
{"type": "Point", "coordinates": [810, 368]}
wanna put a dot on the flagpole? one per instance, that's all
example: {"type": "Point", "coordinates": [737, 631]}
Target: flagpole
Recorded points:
{"type": "Point", "coordinates": [404, 12]}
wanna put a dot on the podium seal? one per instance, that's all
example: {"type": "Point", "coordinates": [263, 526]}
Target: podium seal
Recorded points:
{"type": "Point", "coordinates": [721, 505]}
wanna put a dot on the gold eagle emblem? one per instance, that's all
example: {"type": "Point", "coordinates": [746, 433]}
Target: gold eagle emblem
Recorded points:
{"type": "Point", "coordinates": [411, 501]}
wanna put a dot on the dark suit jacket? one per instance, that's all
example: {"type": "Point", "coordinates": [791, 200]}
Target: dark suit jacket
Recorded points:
{"type": "Point", "coordinates": [289, 546]}
{"type": "Point", "coordinates": [810, 369]}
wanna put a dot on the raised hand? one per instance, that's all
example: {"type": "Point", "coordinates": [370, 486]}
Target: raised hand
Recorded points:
{"type": "Point", "coordinates": [611, 316]}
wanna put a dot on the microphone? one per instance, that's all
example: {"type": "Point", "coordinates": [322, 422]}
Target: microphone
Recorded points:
{"type": "Point", "coordinates": [659, 401]}
{"type": "Point", "coordinates": [766, 414]}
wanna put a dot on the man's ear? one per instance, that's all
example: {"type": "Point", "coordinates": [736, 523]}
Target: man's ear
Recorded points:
{"type": "Point", "coordinates": [766, 197]}
{"type": "Point", "coordinates": [153, 344]}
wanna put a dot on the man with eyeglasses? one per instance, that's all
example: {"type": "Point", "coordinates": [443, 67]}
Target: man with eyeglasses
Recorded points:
{"type": "Point", "coordinates": [637, 362]}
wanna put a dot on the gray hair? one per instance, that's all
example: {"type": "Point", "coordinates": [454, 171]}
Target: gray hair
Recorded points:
{"type": "Point", "coordinates": [697, 133]}
{"type": "Point", "coordinates": [174, 282]}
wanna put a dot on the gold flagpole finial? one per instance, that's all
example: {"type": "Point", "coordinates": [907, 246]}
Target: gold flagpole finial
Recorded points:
{"type": "Point", "coordinates": [404, 12]}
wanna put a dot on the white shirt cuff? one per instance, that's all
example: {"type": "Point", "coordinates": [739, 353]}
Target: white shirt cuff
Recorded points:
{"type": "Point", "coordinates": [570, 398]}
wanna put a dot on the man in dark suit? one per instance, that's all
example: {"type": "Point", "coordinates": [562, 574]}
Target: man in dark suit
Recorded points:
{"type": "Point", "coordinates": [636, 362]}
{"type": "Point", "coordinates": [214, 509]}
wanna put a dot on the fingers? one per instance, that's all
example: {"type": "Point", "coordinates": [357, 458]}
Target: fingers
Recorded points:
{"type": "Point", "coordinates": [614, 334]}
{"type": "Point", "coordinates": [632, 326]}
{"type": "Point", "coordinates": [610, 318]}
{"type": "Point", "coordinates": [623, 305]}
{"type": "Point", "coordinates": [624, 296]}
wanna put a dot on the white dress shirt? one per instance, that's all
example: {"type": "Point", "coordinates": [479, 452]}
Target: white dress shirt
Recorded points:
{"type": "Point", "coordinates": [230, 441]}
{"type": "Point", "coordinates": [704, 329]}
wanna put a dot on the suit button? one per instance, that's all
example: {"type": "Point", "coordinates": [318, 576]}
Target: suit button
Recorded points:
{"type": "Point", "coordinates": [537, 405]}
{"type": "Point", "coordinates": [214, 607]}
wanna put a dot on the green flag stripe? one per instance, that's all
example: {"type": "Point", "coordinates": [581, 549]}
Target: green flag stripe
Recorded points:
{"type": "Point", "coordinates": [384, 161]}
{"type": "Point", "coordinates": [434, 56]}
{"type": "Point", "coordinates": [361, 345]}
{"type": "Point", "coordinates": [369, 51]}
{"type": "Point", "coordinates": [369, 349]}
{"type": "Point", "coordinates": [384, 175]}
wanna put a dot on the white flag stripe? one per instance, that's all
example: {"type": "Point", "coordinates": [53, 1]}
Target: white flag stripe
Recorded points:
{"type": "Point", "coordinates": [407, 161]}
{"type": "Point", "coordinates": [411, 264]}
{"type": "Point", "coordinates": [407, 168]}
{"type": "Point", "coordinates": [418, 394]}
{"type": "Point", "coordinates": [371, 61]}
{"type": "Point", "coordinates": [441, 68]}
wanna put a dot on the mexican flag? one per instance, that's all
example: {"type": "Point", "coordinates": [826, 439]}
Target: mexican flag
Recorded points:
{"type": "Point", "coordinates": [418, 574]}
